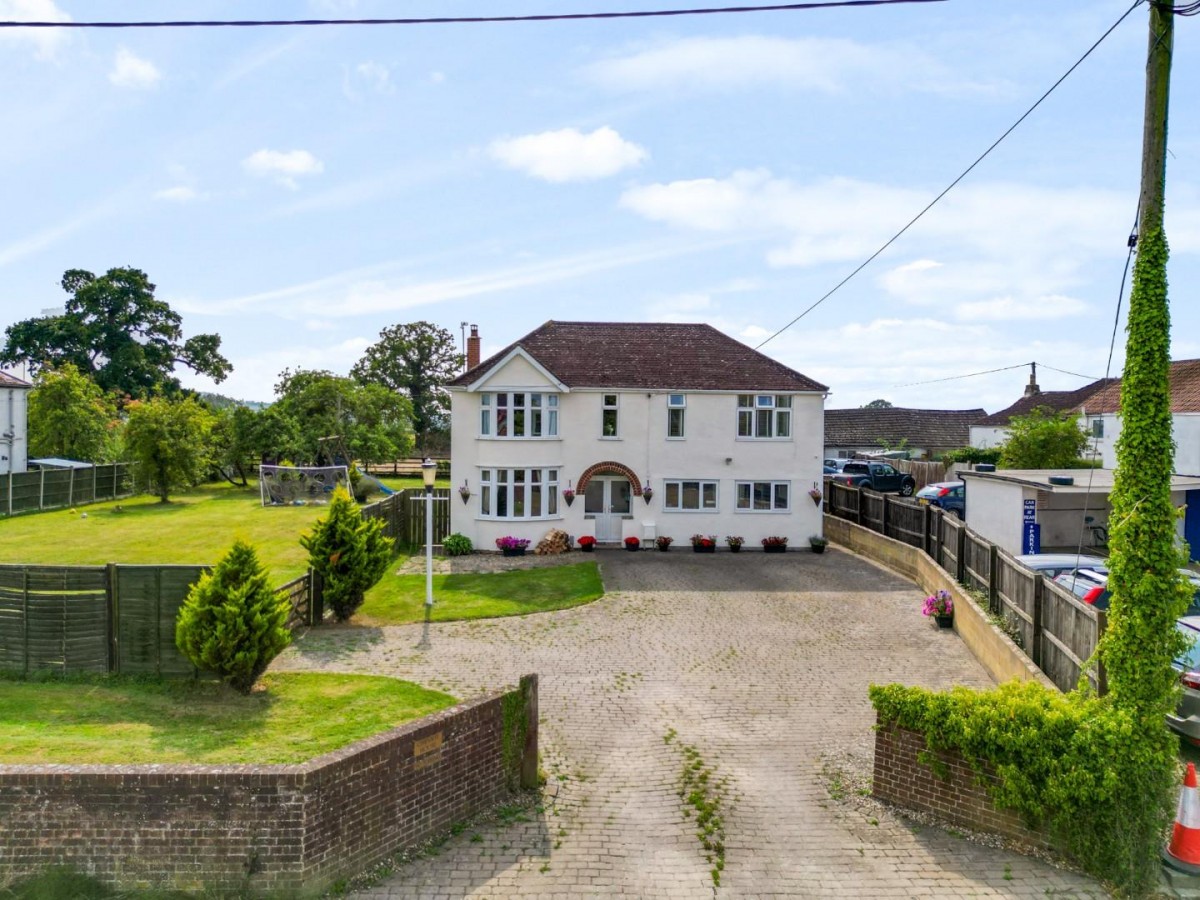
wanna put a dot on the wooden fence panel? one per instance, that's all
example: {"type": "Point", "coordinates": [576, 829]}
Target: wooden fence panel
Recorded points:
{"type": "Point", "coordinates": [147, 602]}
{"type": "Point", "coordinates": [872, 510]}
{"type": "Point", "coordinates": [298, 594]}
{"type": "Point", "coordinates": [1018, 589]}
{"type": "Point", "coordinates": [906, 522]}
{"type": "Point", "coordinates": [923, 471]}
{"type": "Point", "coordinates": [53, 618]}
{"type": "Point", "coordinates": [61, 488]}
{"type": "Point", "coordinates": [1070, 631]}
{"type": "Point", "coordinates": [977, 565]}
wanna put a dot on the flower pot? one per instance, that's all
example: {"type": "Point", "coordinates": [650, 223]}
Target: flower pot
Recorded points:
{"type": "Point", "coordinates": [513, 551]}
{"type": "Point", "coordinates": [697, 548]}
{"type": "Point", "coordinates": [774, 548]}
{"type": "Point", "coordinates": [944, 621]}
{"type": "Point", "coordinates": [569, 499]}
{"type": "Point", "coordinates": [818, 548]}
{"type": "Point", "coordinates": [663, 548]}
{"type": "Point", "coordinates": [735, 548]}
{"type": "Point", "coordinates": [465, 497]}
{"type": "Point", "coordinates": [632, 548]}
{"type": "Point", "coordinates": [587, 548]}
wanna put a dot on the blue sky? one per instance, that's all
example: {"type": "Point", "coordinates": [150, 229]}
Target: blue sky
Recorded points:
{"type": "Point", "coordinates": [298, 189]}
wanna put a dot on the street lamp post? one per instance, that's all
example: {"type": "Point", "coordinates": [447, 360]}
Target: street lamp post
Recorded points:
{"type": "Point", "coordinates": [428, 474]}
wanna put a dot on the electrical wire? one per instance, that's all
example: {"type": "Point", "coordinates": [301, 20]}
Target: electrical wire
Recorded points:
{"type": "Point", "coordinates": [460, 20]}
{"type": "Point", "coordinates": [913, 221]}
{"type": "Point", "coordinates": [1072, 374]}
{"type": "Point", "coordinates": [968, 375]}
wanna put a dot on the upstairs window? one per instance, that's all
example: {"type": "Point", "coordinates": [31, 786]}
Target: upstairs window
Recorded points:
{"type": "Point", "coordinates": [1097, 428]}
{"type": "Point", "coordinates": [518, 414]}
{"type": "Point", "coordinates": [676, 410]}
{"type": "Point", "coordinates": [608, 416]}
{"type": "Point", "coordinates": [764, 416]}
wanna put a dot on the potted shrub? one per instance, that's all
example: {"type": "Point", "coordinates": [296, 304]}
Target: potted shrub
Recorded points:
{"type": "Point", "coordinates": [512, 546]}
{"type": "Point", "coordinates": [774, 544]}
{"type": "Point", "coordinates": [664, 543]}
{"type": "Point", "coordinates": [587, 543]}
{"type": "Point", "coordinates": [632, 544]}
{"type": "Point", "coordinates": [704, 543]}
{"type": "Point", "coordinates": [735, 542]}
{"type": "Point", "coordinates": [940, 606]}
{"type": "Point", "coordinates": [817, 543]}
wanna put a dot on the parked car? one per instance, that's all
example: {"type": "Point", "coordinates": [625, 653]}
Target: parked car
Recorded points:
{"type": "Point", "coordinates": [877, 476]}
{"type": "Point", "coordinates": [1186, 718]}
{"type": "Point", "coordinates": [948, 495]}
{"type": "Point", "coordinates": [1091, 586]}
{"type": "Point", "coordinates": [1054, 564]}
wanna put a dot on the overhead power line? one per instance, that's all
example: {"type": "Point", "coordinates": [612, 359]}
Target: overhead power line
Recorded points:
{"type": "Point", "coordinates": [913, 221]}
{"type": "Point", "coordinates": [461, 20]}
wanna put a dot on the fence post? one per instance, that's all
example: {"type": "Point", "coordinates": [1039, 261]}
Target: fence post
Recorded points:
{"type": "Point", "coordinates": [961, 558]}
{"type": "Point", "coordinates": [884, 517]}
{"type": "Point", "coordinates": [993, 579]}
{"type": "Point", "coordinates": [316, 597]}
{"type": "Point", "coordinates": [42, 489]}
{"type": "Point", "coordinates": [1101, 673]}
{"type": "Point", "coordinates": [95, 475]}
{"type": "Point", "coordinates": [110, 616]}
{"type": "Point", "coordinates": [926, 526]}
{"type": "Point", "coordinates": [1039, 606]}
{"type": "Point", "coordinates": [71, 489]}
{"type": "Point", "coordinates": [858, 506]}
{"type": "Point", "coordinates": [529, 758]}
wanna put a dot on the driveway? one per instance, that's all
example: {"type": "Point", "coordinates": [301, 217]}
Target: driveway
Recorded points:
{"type": "Point", "coordinates": [758, 667]}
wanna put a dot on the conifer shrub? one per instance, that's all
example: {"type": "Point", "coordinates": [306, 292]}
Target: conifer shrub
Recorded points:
{"type": "Point", "coordinates": [350, 554]}
{"type": "Point", "coordinates": [232, 622]}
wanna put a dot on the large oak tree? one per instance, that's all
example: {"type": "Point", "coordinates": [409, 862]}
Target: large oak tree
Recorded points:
{"type": "Point", "coordinates": [116, 332]}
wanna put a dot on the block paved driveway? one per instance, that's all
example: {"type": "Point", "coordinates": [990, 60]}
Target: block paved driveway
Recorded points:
{"type": "Point", "coordinates": [761, 663]}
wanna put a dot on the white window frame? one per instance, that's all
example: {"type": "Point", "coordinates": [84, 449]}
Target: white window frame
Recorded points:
{"type": "Point", "coordinates": [679, 407]}
{"type": "Point", "coordinates": [1096, 427]}
{"type": "Point", "coordinates": [773, 487]}
{"type": "Point", "coordinates": [545, 407]}
{"type": "Point", "coordinates": [779, 408]}
{"type": "Point", "coordinates": [701, 483]}
{"type": "Point", "coordinates": [615, 409]}
{"type": "Point", "coordinates": [499, 484]}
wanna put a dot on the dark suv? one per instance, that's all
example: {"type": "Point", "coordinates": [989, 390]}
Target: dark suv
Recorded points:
{"type": "Point", "coordinates": [877, 476]}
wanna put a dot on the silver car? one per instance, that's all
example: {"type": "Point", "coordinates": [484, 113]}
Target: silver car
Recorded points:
{"type": "Point", "coordinates": [1054, 564]}
{"type": "Point", "coordinates": [1186, 719]}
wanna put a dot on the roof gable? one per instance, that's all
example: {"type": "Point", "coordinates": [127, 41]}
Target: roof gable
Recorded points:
{"type": "Point", "coordinates": [1184, 377]}
{"type": "Point", "coordinates": [641, 355]}
{"type": "Point", "coordinates": [518, 369]}
{"type": "Point", "coordinates": [1059, 401]}
{"type": "Point", "coordinates": [11, 381]}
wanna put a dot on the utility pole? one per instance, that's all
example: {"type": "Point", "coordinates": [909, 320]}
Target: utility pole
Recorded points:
{"type": "Point", "coordinates": [1154, 133]}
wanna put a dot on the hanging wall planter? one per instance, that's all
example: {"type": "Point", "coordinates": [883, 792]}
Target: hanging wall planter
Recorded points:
{"type": "Point", "coordinates": [647, 494]}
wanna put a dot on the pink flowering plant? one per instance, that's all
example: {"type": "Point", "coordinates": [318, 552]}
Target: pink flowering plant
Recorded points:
{"type": "Point", "coordinates": [938, 604]}
{"type": "Point", "coordinates": [511, 543]}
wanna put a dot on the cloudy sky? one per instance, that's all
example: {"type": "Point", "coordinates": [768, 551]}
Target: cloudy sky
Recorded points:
{"type": "Point", "coordinates": [298, 189]}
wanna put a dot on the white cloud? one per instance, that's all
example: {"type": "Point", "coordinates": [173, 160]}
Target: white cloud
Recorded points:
{"type": "Point", "coordinates": [178, 194]}
{"type": "Point", "coordinates": [131, 71]}
{"type": "Point", "coordinates": [568, 154]}
{"type": "Point", "coordinates": [826, 65]}
{"type": "Point", "coordinates": [254, 375]}
{"type": "Point", "coordinates": [46, 42]}
{"type": "Point", "coordinates": [1005, 309]}
{"type": "Point", "coordinates": [376, 75]}
{"type": "Point", "coordinates": [283, 167]}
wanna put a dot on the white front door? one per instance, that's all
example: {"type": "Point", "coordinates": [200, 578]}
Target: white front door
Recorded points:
{"type": "Point", "coordinates": [607, 500]}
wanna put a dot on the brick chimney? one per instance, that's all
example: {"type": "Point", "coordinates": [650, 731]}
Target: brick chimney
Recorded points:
{"type": "Point", "coordinates": [1032, 389]}
{"type": "Point", "coordinates": [473, 348]}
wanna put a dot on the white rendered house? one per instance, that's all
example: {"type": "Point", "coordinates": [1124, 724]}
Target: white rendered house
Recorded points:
{"type": "Point", "coordinates": [14, 405]}
{"type": "Point", "coordinates": [634, 430]}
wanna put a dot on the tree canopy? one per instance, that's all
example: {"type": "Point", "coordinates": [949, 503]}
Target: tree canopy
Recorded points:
{"type": "Point", "coordinates": [115, 331]}
{"type": "Point", "coordinates": [70, 417]}
{"type": "Point", "coordinates": [1043, 439]}
{"type": "Point", "coordinates": [417, 358]}
{"type": "Point", "coordinates": [877, 404]}
{"type": "Point", "coordinates": [168, 440]}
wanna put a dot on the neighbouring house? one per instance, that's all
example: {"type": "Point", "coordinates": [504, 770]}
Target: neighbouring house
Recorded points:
{"type": "Point", "coordinates": [1069, 508]}
{"type": "Point", "coordinates": [924, 433]}
{"type": "Point", "coordinates": [14, 433]}
{"type": "Point", "coordinates": [992, 431]}
{"type": "Point", "coordinates": [643, 430]}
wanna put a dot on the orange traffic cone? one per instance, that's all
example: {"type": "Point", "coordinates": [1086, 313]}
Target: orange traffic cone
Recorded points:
{"type": "Point", "coordinates": [1183, 853]}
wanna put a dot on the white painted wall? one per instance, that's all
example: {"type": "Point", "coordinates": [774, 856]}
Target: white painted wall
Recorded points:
{"type": "Point", "coordinates": [710, 450]}
{"type": "Point", "coordinates": [984, 437]}
{"type": "Point", "coordinates": [995, 511]}
{"type": "Point", "coordinates": [14, 443]}
{"type": "Point", "coordinates": [1185, 431]}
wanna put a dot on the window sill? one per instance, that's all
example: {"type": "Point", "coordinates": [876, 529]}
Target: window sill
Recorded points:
{"type": "Point", "coordinates": [771, 440]}
{"type": "Point", "coordinates": [517, 519]}
{"type": "Point", "coordinates": [608, 438]}
{"type": "Point", "coordinates": [490, 437]}
{"type": "Point", "coordinates": [762, 512]}
{"type": "Point", "coordinates": [692, 512]}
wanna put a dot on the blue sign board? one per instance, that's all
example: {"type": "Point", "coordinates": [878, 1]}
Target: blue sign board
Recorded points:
{"type": "Point", "coordinates": [1031, 541]}
{"type": "Point", "coordinates": [1030, 510]}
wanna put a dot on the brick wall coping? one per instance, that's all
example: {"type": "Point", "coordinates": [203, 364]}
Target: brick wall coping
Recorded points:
{"type": "Point", "coordinates": [276, 771]}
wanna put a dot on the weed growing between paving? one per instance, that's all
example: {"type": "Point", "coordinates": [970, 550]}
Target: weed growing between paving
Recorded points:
{"type": "Point", "coordinates": [704, 795]}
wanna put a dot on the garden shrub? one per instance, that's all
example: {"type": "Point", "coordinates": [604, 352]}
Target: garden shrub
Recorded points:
{"type": "Point", "coordinates": [1083, 767]}
{"type": "Point", "coordinates": [972, 455]}
{"type": "Point", "coordinates": [232, 622]}
{"type": "Point", "coordinates": [457, 545]}
{"type": "Point", "coordinates": [350, 554]}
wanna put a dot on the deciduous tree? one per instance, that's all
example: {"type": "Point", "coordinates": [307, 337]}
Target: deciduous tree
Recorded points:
{"type": "Point", "coordinates": [117, 332]}
{"type": "Point", "coordinates": [1043, 439]}
{"type": "Point", "coordinates": [71, 417]}
{"type": "Point", "coordinates": [168, 440]}
{"type": "Point", "coordinates": [417, 358]}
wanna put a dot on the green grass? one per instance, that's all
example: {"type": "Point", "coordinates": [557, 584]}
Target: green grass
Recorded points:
{"type": "Point", "coordinates": [139, 720]}
{"type": "Point", "coordinates": [196, 527]}
{"type": "Point", "coordinates": [398, 599]}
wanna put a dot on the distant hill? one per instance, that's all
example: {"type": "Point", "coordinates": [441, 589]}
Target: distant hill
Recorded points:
{"type": "Point", "coordinates": [220, 401]}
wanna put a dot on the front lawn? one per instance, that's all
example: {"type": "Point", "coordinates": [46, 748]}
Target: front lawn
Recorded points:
{"type": "Point", "coordinates": [139, 720]}
{"type": "Point", "coordinates": [196, 528]}
{"type": "Point", "coordinates": [399, 599]}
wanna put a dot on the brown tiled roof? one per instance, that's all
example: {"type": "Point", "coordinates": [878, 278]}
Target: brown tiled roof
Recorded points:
{"type": "Point", "coordinates": [921, 428]}
{"type": "Point", "coordinates": [1060, 401]}
{"type": "Point", "coordinates": [1185, 391]}
{"type": "Point", "coordinates": [655, 355]}
{"type": "Point", "coordinates": [10, 381]}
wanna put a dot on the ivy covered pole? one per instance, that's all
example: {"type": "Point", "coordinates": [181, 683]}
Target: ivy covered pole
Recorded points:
{"type": "Point", "coordinates": [1141, 640]}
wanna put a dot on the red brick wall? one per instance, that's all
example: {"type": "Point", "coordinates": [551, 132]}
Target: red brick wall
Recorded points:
{"type": "Point", "coordinates": [958, 799]}
{"type": "Point", "coordinates": [268, 826]}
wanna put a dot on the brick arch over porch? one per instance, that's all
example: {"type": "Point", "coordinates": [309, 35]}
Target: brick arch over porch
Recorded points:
{"type": "Point", "coordinates": [608, 468]}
